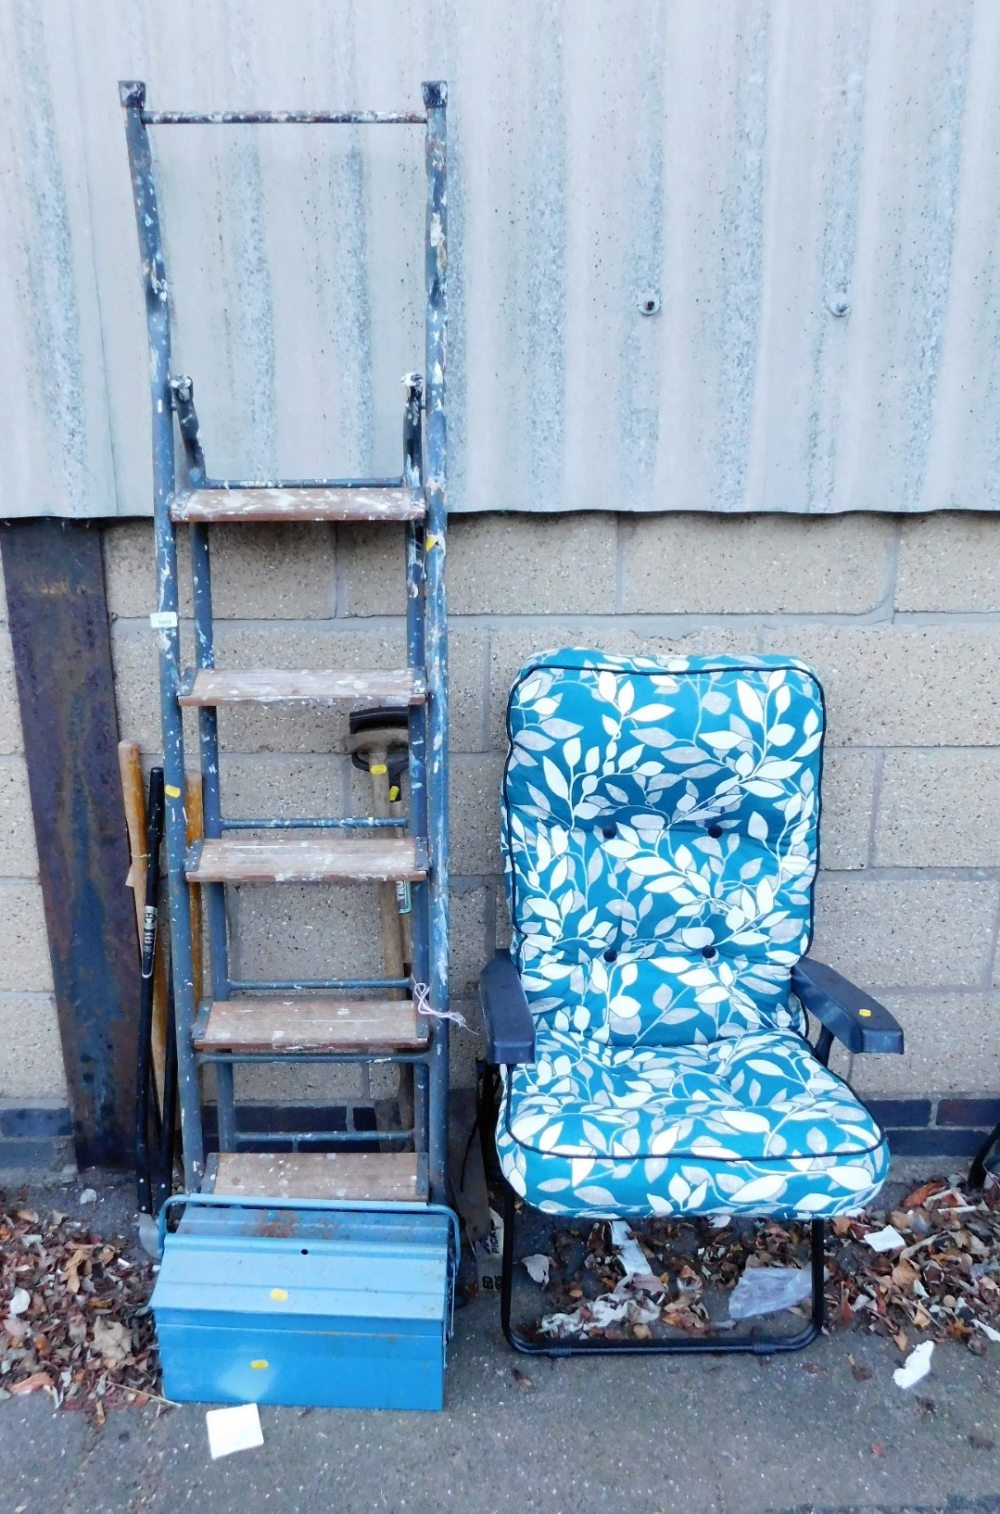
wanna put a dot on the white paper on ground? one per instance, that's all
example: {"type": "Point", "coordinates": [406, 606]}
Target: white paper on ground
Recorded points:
{"type": "Point", "coordinates": [988, 1330]}
{"type": "Point", "coordinates": [630, 1253]}
{"type": "Point", "coordinates": [916, 1366]}
{"type": "Point", "coordinates": [538, 1267]}
{"type": "Point", "coordinates": [765, 1290]}
{"type": "Point", "coordinates": [887, 1239]}
{"type": "Point", "coordinates": [629, 1302]}
{"type": "Point", "coordinates": [235, 1429]}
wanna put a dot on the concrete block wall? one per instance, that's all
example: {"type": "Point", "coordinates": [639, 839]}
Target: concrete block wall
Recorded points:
{"type": "Point", "coordinates": [900, 617]}
{"type": "Point", "coordinates": [34, 1123]}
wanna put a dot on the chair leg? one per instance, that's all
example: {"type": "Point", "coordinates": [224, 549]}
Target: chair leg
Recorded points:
{"type": "Point", "coordinates": [755, 1343]}
{"type": "Point", "coordinates": [487, 1112]}
{"type": "Point", "coordinates": [977, 1171]}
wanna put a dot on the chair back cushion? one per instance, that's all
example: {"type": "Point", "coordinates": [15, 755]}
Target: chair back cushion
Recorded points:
{"type": "Point", "coordinates": [659, 825]}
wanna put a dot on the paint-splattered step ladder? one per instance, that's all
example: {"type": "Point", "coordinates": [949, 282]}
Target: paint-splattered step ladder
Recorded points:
{"type": "Point", "coordinates": [399, 1018]}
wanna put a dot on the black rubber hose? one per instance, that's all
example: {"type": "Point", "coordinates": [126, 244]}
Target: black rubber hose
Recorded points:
{"type": "Point", "coordinates": [154, 837]}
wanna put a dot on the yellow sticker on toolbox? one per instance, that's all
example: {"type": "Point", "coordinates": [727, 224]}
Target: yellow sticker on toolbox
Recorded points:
{"type": "Point", "coordinates": [279, 1293]}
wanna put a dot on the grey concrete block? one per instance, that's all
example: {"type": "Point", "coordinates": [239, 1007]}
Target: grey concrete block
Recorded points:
{"type": "Point", "coordinates": [322, 1082]}
{"type": "Point", "coordinates": [11, 738]}
{"type": "Point", "coordinates": [502, 928]}
{"type": "Point", "coordinates": [497, 565]}
{"type": "Point", "coordinates": [465, 1046]}
{"type": "Point", "coordinates": [314, 931]}
{"type": "Point", "coordinates": [475, 814]}
{"type": "Point", "coordinates": [275, 571]}
{"type": "Point", "coordinates": [935, 685]}
{"type": "Point", "coordinates": [511, 647]}
{"type": "Point", "coordinates": [848, 802]}
{"type": "Point", "coordinates": [939, 809]}
{"type": "Point", "coordinates": [469, 945]}
{"type": "Point", "coordinates": [31, 1062]}
{"type": "Point", "coordinates": [754, 564]}
{"type": "Point", "coordinates": [305, 930]}
{"type": "Point", "coordinates": [949, 562]}
{"type": "Point", "coordinates": [137, 689]}
{"type": "Point", "coordinates": [24, 962]}
{"type": "Point", "coordinates": [469, 691]}
{"type": "Point", "coordinates": [951, 1042]}
{"type": "Point", "coordinates": [257, 785]}
{"type": "Point", "coordinates": [372, 571]}
{"type": "Point", "coordinates": [532, 564]}
{"type": "Point", "coordinates": [20, 854]}
{"type": "Point", "coordinates": [906, 932]}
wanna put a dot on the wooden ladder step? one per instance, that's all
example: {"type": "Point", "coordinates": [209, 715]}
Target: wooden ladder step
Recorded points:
{"type": "Point", "coordinates": [321, 1024]}
{"type": "Point", "coordinates": [315, 503]}
{"type": "Point", "coordinates": [397, 689]}
{"type": "Point", "coordinates": [310, 859]}
{"type": "Point", "coordinates": [397, 1176]}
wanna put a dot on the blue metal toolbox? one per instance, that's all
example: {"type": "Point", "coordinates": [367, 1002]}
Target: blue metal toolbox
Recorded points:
{"type": "Point", "coordinates": [332, 1308]}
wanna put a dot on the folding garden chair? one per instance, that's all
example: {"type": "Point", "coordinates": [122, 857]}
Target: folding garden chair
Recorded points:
{"type": "Point", "coordinates": [659, 825]}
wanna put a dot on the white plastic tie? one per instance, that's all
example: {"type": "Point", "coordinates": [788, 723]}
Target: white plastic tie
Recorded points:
{"type": "Point", "coordinates": [422, 1004]}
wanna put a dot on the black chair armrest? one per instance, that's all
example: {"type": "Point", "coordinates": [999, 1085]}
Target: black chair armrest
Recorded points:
{"type": "Point", "coordinates": [854, 1017]}
{"type": "Point", "coordinates": [510, 1029]}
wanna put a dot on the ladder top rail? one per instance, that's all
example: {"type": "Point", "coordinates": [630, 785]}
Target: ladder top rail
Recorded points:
{"type": "Point", "coordinates": [283, 118]}
{"type": "Point", "coordinates": [132, 93]}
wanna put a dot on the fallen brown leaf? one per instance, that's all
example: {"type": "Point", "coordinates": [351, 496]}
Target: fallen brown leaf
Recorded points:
{"type": "Point", "coordinates": [919, 1196]}
{"type": "Point", "coordinates": [31, 1384]}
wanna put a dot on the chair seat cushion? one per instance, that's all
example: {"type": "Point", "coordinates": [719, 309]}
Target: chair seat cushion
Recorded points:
{"type": "Point", "coordinates": [750, 1124]}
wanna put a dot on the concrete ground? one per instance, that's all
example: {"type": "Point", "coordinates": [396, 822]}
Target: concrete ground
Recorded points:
{"type": "Point", "coordinates": [645, 1436]}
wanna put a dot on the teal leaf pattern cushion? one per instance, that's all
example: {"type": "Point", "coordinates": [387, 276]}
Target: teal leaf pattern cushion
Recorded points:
{"type": "Point", "coordinates": [659, 827]}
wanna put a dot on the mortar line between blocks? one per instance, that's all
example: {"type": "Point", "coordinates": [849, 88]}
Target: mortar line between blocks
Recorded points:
{"type": "Point", "coordinates": [992, 959]}
{"type": "Point", "coordinates": [876, 804]}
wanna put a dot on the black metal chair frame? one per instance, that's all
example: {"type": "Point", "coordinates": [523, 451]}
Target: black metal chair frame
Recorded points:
{"type": "Point", "coordinates": [843, 1011]}
{"type": "Point", "coordinates": [981, 1161]}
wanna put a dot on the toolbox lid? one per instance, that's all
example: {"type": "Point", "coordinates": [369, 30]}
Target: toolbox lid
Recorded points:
{"type": "Point", "coordinates": [358, 1266]}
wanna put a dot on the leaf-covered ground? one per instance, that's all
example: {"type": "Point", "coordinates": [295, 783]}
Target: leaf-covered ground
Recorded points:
{"type": "Point", "coordinates": [72, 1320]}
{"type": "Point", "coordinates": [941, 1281]}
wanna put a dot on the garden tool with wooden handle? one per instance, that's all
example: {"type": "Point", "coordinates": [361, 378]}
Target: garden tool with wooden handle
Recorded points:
{"type": "Point", "coordinates": [378, 741]}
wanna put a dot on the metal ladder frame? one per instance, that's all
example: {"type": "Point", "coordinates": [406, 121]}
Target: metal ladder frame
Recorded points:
{"type": "Point", "coordinates": [424, 467]}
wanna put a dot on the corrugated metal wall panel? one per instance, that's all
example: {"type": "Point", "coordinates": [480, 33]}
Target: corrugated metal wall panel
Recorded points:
{"type": "Point", "coordinates": [754, 165]}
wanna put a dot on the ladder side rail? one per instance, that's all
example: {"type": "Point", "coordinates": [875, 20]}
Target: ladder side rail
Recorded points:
{"type": "Point", "coordinates": [413, 445]}
{"type": "Point", "coordinates": [132, 95]}
{"type": "Point", "coordinates": [208, 738]}
{"type": "Point", "coordinates": [436, 253]}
